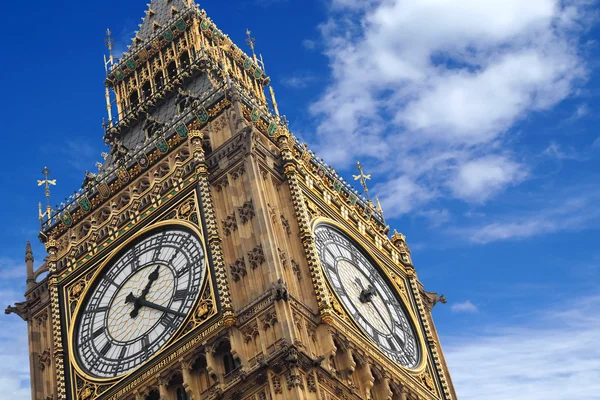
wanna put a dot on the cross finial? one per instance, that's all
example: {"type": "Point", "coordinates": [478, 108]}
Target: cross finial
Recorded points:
{"type": "Point", "coordinates": [251, 42]}
{"type": "Point", "coordinates": [47, 182]}
{"type": "Point", "coordinates": [362, 177]}
{"type": "Point", "coordinates": [110, 44]}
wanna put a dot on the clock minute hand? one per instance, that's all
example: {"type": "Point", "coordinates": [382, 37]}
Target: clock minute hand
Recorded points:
{"type": "Point", "coordinates": [387, 326]}
{"type": "Point", "coordinates": [144, 302]}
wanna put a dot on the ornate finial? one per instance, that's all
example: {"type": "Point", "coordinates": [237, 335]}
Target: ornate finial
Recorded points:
{"type": "Point", "coordinates": [379, 209]}
{"type": "Point", "coordinates": [28, 252]}
{"type": "Point", "coordinates": [251, 42]}
{"type": "Point", "coordinates": [47, 182]}
{"type": "Point", "coordinates": [363, 178]}
{"type": "Point", "coordinates": [110, 44]}
{"type": "Point", "coordinates": [397, 236]}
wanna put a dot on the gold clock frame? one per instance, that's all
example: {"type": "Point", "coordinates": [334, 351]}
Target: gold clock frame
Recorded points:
{"type": "Point", "coordinates": [390, 282]}
{"type": "Point", "coordinates": [201, 320]}
{"type": "Point", "coordinates": [101, 269]}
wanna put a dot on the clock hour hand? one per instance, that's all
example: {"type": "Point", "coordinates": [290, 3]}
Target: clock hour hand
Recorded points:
{"type": "Point", "coordinates": [365, 294]}
{"type": "Point", "coordinates": [136, 304]}
{"type": "Point", "coordinates": [394, 335]}
{"type": "Point", "coordinates": [136, 300]}
{"type": "Point", "coordinates": [158, 307]}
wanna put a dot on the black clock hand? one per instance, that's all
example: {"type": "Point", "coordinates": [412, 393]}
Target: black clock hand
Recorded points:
{"type": "Point", "coordinates": [144, 302]}
{"type": "Point", "coordinates": [387, 326]}
{"type": "Point", "coordinates": [136, 300]}
{"type": "Point", "coordinates": [365, 294]}
{"type": "Point", "coordinates": [151, 278]}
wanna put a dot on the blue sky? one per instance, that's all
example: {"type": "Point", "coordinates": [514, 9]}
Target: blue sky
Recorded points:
{"type": "Point", "coordinates": [478, 121]}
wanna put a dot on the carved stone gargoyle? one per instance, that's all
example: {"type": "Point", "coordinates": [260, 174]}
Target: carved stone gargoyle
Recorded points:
{"type": "Point", "coordinates": [431, 299]}
{"type": "Point", "coordinates": [280, 290]}
{"type": "Point", "coordinates": [21, 309]}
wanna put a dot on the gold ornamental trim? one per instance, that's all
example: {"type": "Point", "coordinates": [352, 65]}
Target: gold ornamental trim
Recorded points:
{"type": "Point", "coordinates": [207, 281]}
{"type": "Point", "coordinates": [391, 283]}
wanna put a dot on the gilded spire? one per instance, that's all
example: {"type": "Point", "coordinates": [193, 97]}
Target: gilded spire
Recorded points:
{"type": "Point", "coordinates": [251, 42]}
{"type": "Point", "coordinates": [363, 178]}
{"type": "Point", "coordinates": [47, 182]}
{"type": "Point", "coordinates": [110, 44]}
{"type": "Point", "coordinates": [379, 209]}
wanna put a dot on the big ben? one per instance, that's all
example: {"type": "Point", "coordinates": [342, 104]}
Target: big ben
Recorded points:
{"type": "Point", "coordinates": [213, 255]}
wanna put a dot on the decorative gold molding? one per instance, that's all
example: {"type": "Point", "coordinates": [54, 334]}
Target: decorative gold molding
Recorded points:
{"type": "Point", "coordinates": [385, 270]}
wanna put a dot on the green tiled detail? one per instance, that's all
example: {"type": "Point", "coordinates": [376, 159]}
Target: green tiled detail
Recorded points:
{"type": "Point", "coordinates": [182, 130]}
{"type": "Point", "coordinates": [204, 25]}
{"type": "Point", "coordinates": [272, 129]}
{"type": "Point", "coordinates": [180, 24]}
{"type": "Point", "coordinates": [131, 64]}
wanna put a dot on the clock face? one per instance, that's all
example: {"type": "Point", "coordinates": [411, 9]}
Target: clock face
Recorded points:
{"type": "Point", "coordinates": [367, 296]}
{"type": "Point", "coordinates": [139, 302]}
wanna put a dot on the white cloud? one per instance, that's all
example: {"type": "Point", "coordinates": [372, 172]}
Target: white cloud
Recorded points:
{"type": "Point", "coordinates": [14, 360]}
{"type": "Point", "coordinates": [309, 44]}
{"type": "Point", "coordinates": [465, 306]}
{"type": "Point", "coordinates": [435, 217]}
{"type": "Point", "coordinates": [10, 268]}
{"type": "Point", "coordinates": [582, 111]}
{"type": "Point", "coordinates": [481, 178]}
{"type": "Point", "coordinates": [433, 88]}
{"type": "Point", "coordinates": [298, 81]}
{"type": "Point", "coordinates": [573, 212]}
{"type": "Point", "coordinates": [400, 195]}
{"type": "Point", "coordinates": [557, 151]}
{"type": "Point", "coordinates": [554, 356]}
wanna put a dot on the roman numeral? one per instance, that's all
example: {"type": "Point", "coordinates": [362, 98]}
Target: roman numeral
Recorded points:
{"type": "Point", "coordinates": [391, 344]}
{"type": "Point", "coordinates": [183, 271]}
{"type": "Point", "coordinates": [399, 340]}
{"type": "Point", "coordinates": [167, 321]}
{"type": "Point", "coordinates": [98, 332]}
{"type": "Point", "coordinates": [122, 353]}
{"type": "Point", "coordinates": [146, 343]}
{"type": "Point", "coordinates": [180, 295]}
{"type": "Point", "coordinates": [96, 310]}
{"type": "Point", "coordinates": [105, 349]}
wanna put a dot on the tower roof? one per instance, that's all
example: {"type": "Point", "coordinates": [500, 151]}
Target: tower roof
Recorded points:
{"type": "Point", "coordinates": [158, 15]}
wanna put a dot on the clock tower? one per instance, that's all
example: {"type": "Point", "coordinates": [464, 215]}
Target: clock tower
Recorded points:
{"type": "Point", "coordinates": [213, 256]}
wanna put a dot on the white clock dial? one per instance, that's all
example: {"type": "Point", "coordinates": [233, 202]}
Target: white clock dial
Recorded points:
{"type": "Point", "coordinates": [367, 296]}
{"type": "Point", "coordinates": [138, 303]}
